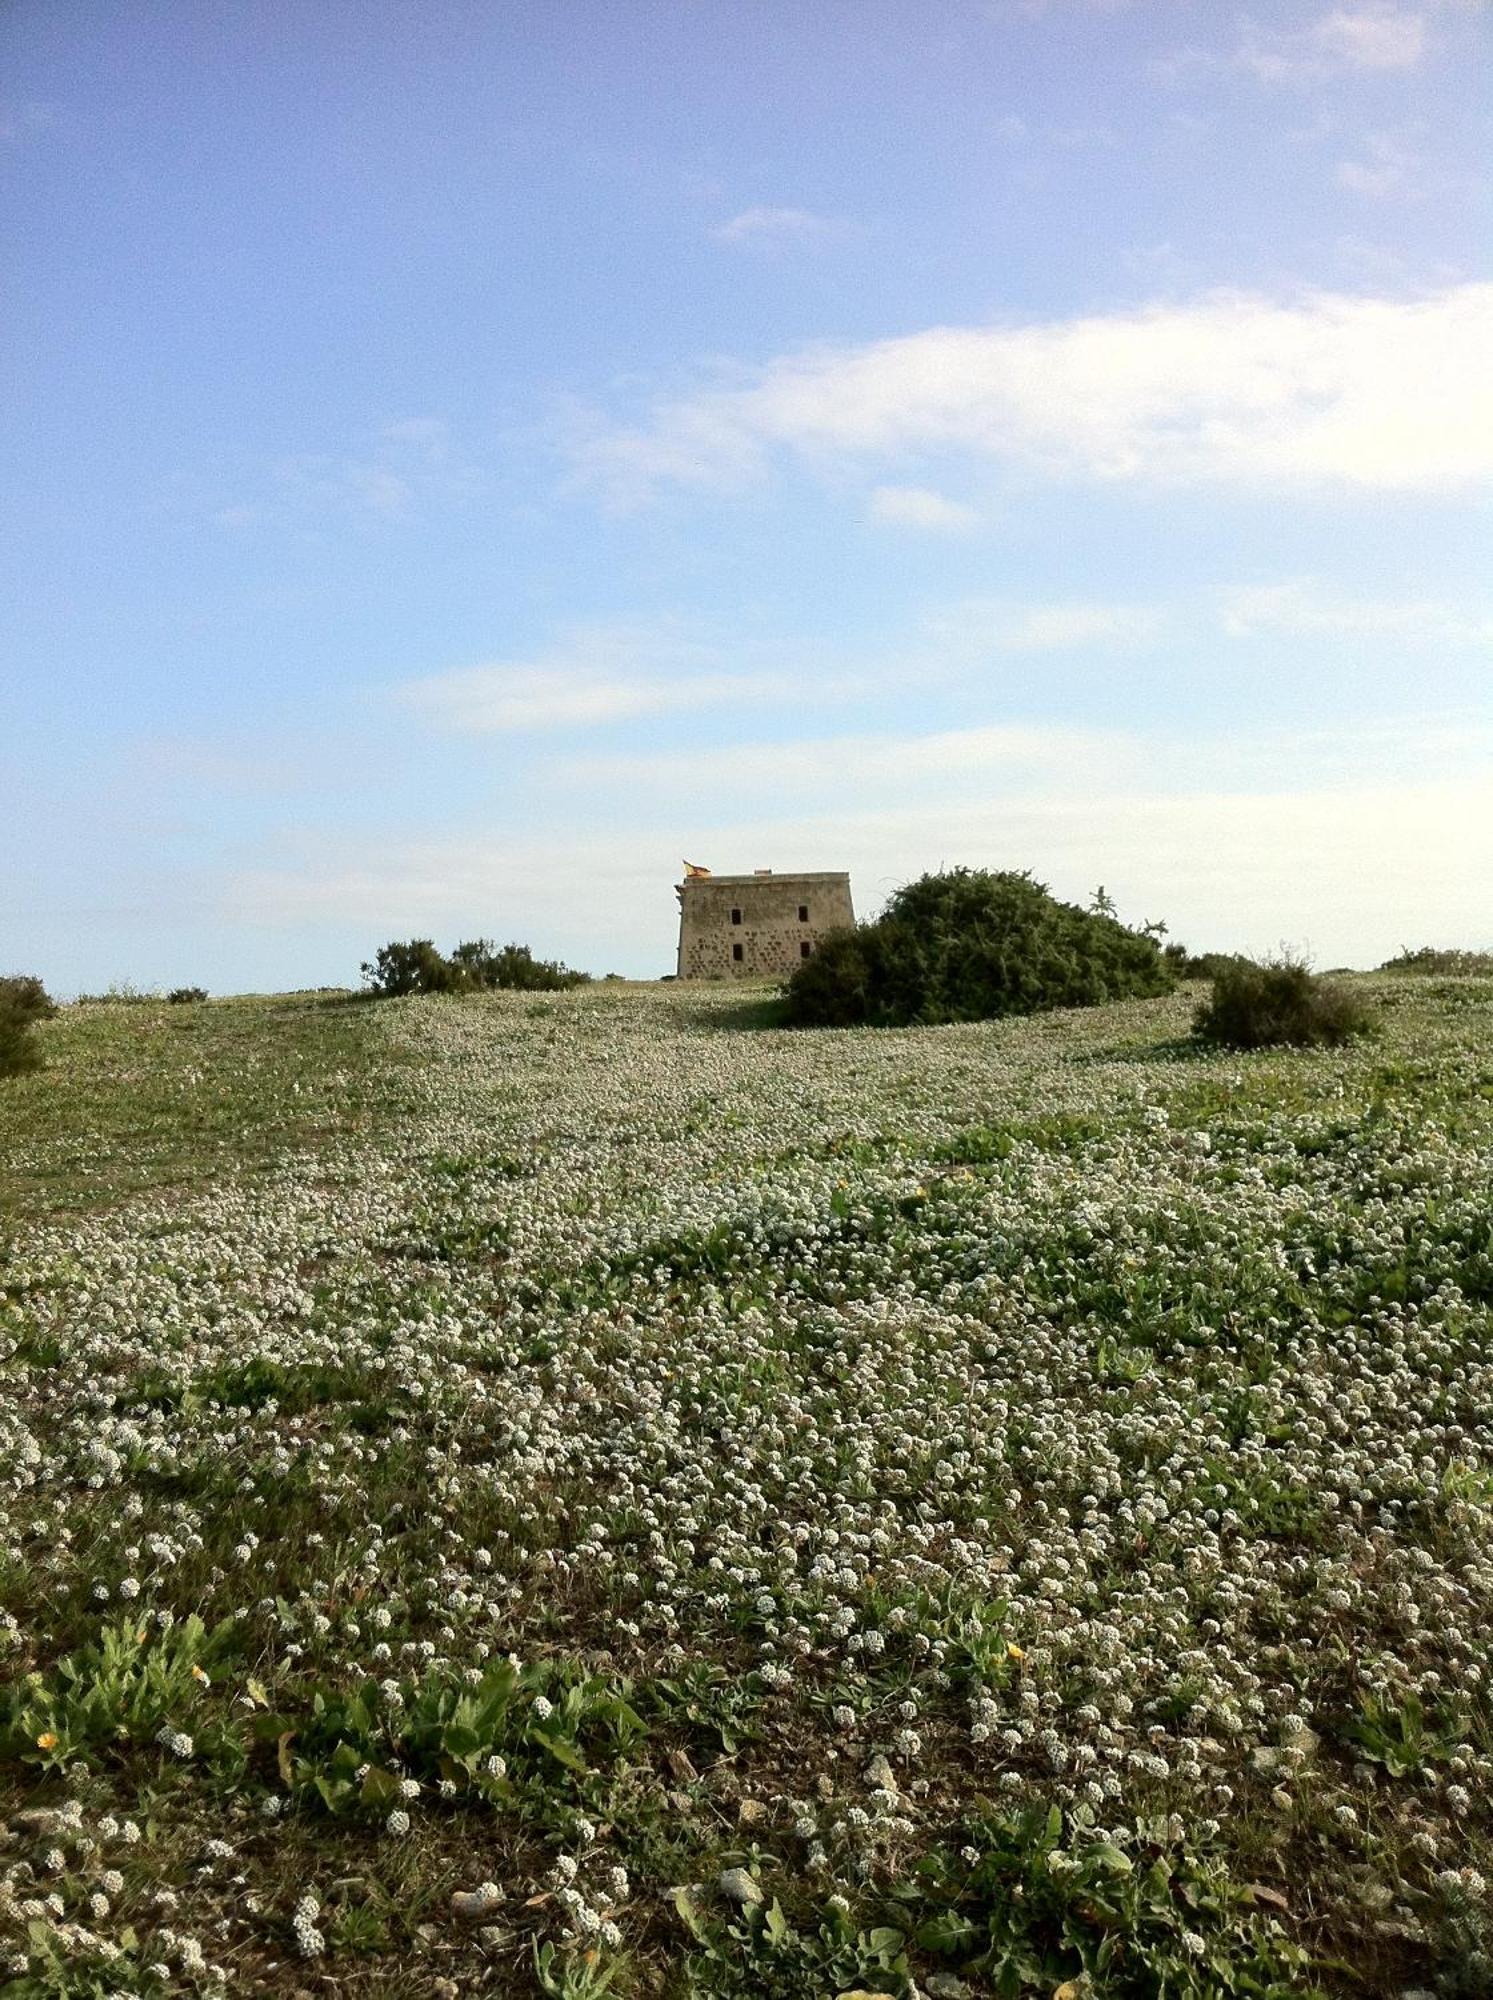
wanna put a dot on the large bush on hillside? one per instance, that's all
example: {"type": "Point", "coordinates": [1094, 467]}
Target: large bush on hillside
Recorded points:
{"type": "Point", "coordinates": [476, 966]}
{"type": "Point", "coordinates": [23, 1002]}
{"type": "Point", "coordinates": [414, 966]}
{"type": "Point", "coordinates": [513, 968]}
{"type": "Point", "coordinates": [1279, 1003]}
{"type": "Point", "coordinates": [968, 945]}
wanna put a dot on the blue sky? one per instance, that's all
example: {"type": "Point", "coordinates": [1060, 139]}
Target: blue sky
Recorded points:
{"type": "Point", "coordinates": [459, 460]}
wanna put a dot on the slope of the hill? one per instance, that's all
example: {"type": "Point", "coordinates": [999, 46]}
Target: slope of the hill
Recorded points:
{"type": "Point", "coordinates": [985, 1509]}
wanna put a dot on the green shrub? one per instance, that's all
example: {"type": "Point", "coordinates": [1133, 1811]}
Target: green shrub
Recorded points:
{"type": "Point", "coordinates": [23, 1002]}
{"type": "Point", "coordinates": [970, 945]}
{"type": "Point", "coordinates": [412, 967]}
{"type": "Point", "coordinates": [833, 988]}
{"type": "Point", "coordinates": [513, 968]}
{"type": "Point", "coordinates": [183, 996]}
{"type": "Point", "coordinates": [122, 993]}
{"type": "Point", "coordinates": [1279, 1003]}
{"type": "Point", "coordinates": [1429, 959]}
{"type": "Point", "coordinates": [1198, 965]}
{"type": "Point", "coordinates": [24, 992]}
{"type": "Point", "coordinates": [475, 966]}
{"type": "Point", "coordinates": [18, 1050]}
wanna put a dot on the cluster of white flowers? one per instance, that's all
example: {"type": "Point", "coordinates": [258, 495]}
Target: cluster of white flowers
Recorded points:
{"type": "Point", "coordinates": [310, 1942]}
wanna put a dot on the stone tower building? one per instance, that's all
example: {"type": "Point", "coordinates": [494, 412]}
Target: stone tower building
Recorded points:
{"type": "Point", "coordinates": [756, 926]}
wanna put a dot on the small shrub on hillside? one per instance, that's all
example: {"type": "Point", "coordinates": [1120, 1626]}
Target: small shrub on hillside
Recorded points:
{"type": "Point", "coordinates": [1429, 959]}
{"type": "Point", "coordinates": [25, 994]}
{"type": "Point", "coordinates": [969, 945]}
{"type": "Point", "coordinates": [18, 1048]}
{"type": "Point", "coordinates": [123, 993]}
{"type": "Point", "coordinates": [1279, 1003]}
{"type": "Point", "coordinates": [183, 996]}
{"type": "Point", "coordinates": [475, 966]}
{"type": "Point", "coordinates": [23, 1002]}
{"type": "Point", "coordinates": [412, 967]}
{"type": "Point", "coordinates": [513, 968]}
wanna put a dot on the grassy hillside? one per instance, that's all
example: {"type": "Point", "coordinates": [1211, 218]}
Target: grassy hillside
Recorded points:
{"type": "Point", "coordinates": [747, 1513]}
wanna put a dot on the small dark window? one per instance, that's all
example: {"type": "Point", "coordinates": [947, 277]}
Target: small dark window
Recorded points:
{"type": "Point", "coordinates": [736, 916]}
{"type": "Point", "coordinates": [736, 953]}
{"type": "Point", "coordinates": [804, 948]}
{"type": "Point", "coordinates": [803, 913]}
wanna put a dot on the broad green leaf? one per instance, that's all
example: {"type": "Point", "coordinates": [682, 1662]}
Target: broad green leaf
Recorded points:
{"type": "Point", "coordinates": [691, 1915]}
{"type": "Point", "coordinates": [562, 1752]}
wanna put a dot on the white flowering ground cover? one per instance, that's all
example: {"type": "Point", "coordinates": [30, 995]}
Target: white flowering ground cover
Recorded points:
{"type": "Point", "coordinates": [591, 1495]}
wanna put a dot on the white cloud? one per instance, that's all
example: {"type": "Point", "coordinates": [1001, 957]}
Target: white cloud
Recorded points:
{"type": "Point", "coordinates": [509, 695]}
{"type": "Point", "coordinates": [608, 673]}
{"type": "Point", "coordinates": [1370, 393]}
{"type": "Point", "coordinates": [1302, 609]}
{"type": "Point", "coordinates": [1373, 37]}
{"type": "Point", "coordinates": [1381, 36]}
{"type": "Point", "coordinates": [964, 632]}
{"type": "Point", "coordinates": [1052, 628]}
{"type": "Point", "coordinates": [394, 472]}
{"type": "Point", "coordinates": [841, 767]}
{"type": "Point", "coordinates": [775, 225]}
{"type": "Point", "coordinates": [1384, 167]}
{"type": "Point", "coordinates": [599, 674]}
{"type": "Point", "coordinates": [1032, 761]}
{"type": "Point", "coordinates": [921, 507]}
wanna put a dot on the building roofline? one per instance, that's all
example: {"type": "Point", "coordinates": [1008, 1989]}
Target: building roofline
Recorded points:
{"type": "Point", "coordinates": [788, 875]}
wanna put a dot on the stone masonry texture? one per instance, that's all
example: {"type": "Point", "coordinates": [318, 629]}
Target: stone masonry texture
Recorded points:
{"type": "Point", "coordinates": [756, 926]}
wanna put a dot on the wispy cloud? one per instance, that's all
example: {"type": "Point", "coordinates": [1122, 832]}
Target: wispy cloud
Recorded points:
{"type": "Point", "coordinates": [1232, 389]}
{"type": "Point", "coordinates": [383, 475]}
{"type": "Point", "coordinates": [1047, 759]}
{"type": "Point", "coordinates": [921, 507]}
{"type": "Point", "coordinates": [844, 766]}
{"type": "Point", "coordinates": [1304, 609]}
{"type": "Point", "coordinates": [1390, 165]}
{"type": "Point", "coordinates": [594, 676]}
{"type": "Point", "coordinates": [1373, 37]}
{"type": "Point", "coordinates": [986, 624]}
{"type": "Point", "coordinates": [776, 226]}
{"type": "Point", "coordinates": [1382, 167]}
{"type": "Point", "coordinates": [597, 677]}
{"type": "Point", "coordinates": [601, 674]}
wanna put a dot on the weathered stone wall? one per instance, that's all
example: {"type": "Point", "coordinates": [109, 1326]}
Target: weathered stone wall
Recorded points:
{"type": "Point", "coordinates": [771, 934]}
